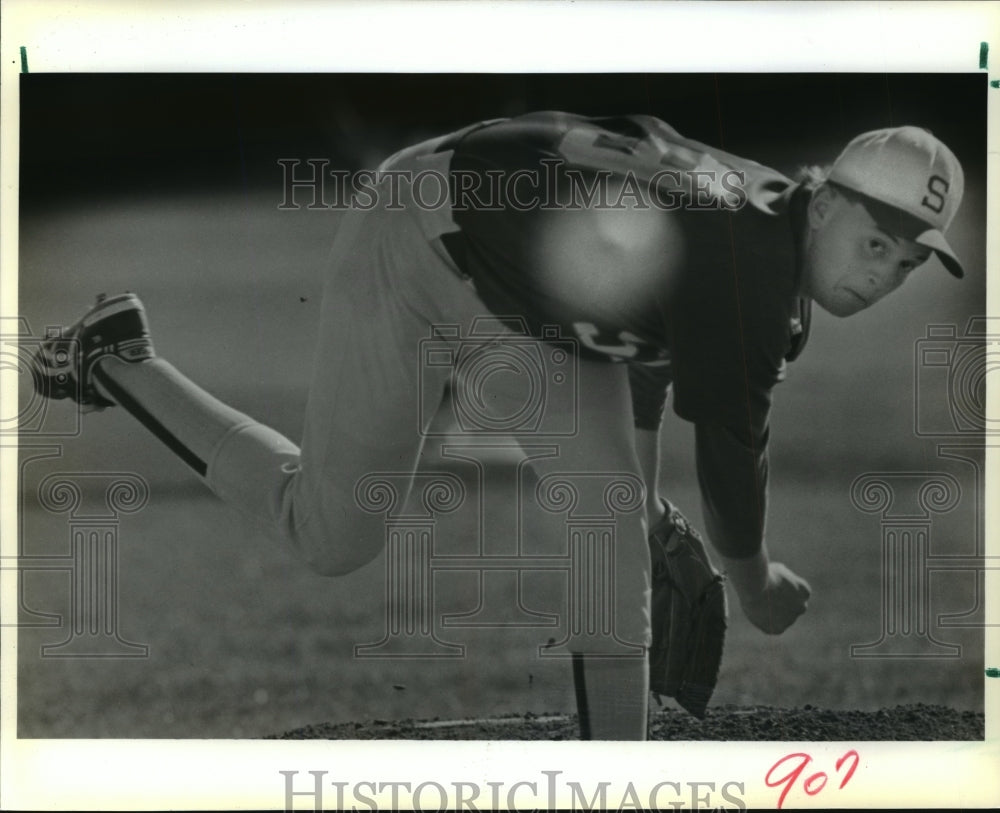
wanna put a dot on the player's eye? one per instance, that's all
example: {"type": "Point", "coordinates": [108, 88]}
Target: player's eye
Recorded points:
{"type": "Point", "coordinates": [877, 248]}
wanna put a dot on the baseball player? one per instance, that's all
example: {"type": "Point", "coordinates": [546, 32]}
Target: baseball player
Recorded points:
{"type": "Point", "coordinates": [665, 263]}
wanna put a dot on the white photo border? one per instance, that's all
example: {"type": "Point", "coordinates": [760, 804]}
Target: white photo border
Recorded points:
{"type": "Point", "coordinates": [550, 36]}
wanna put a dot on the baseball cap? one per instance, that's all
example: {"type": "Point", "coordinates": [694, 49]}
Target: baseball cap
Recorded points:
{"type": "Point", "coordinates": [914, 182]}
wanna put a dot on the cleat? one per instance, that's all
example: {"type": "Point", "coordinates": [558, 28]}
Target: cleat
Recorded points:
{"type": "Point", "coordinates": [63, 366]}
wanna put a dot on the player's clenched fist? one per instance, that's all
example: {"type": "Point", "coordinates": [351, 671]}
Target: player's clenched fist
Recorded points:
{"type": "Point", "coordinates": [784, 598]}
{"type": "Point", "coordinates": [771, 595]}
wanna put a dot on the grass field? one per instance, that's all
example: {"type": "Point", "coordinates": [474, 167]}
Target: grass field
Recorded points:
{"type": "Point", "coordinates": [244, 642]}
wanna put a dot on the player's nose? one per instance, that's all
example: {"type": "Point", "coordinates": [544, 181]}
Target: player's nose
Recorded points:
{"type": "Point", "coordinates": [879, 280]}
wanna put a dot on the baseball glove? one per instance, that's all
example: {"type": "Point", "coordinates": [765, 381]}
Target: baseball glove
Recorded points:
{"type": "Point", "coordinates": [688, 615]}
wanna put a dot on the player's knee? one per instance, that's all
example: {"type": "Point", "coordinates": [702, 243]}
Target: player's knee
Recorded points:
{"type": "Point", "coordinates": [326, 564]}
{"type": "Point", "coordinates": [331, 553]}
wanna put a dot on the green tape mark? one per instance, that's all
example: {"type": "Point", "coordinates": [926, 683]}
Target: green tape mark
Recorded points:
{"type": "Point", "coordinates": [984, 55]}
{"type": "Point", "coordinates": [993, 672]}
{"type": "Point", "coordinates": [24, 59]}
{"type": "Point", "coordinates": [995, 83]}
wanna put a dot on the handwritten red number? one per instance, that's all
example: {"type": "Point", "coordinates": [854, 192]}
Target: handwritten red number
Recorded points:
{"type": "Point", "coordinates": [854, 766]}
{"type": "Point", "coordinates": [811, 781]}
{"type": "Point", "coordinates": [790, 778]}
{"type": "Point", "coordinates": [812, 784]}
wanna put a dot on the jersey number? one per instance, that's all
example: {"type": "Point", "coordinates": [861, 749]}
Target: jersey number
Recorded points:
{"type": "Point", "coordinates": [624, 346]}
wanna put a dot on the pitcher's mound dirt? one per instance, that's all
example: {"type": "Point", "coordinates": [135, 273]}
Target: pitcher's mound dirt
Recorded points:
{"type": "Point", "coordinates": [728, 723]}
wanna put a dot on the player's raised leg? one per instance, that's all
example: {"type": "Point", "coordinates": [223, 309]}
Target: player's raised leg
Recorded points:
{"type": "Point", "coordinates": [384, 288]}
{"type": "Point", "coordinates": [107, 359]}
{"type": "Point", "coordinates": [362, 414]}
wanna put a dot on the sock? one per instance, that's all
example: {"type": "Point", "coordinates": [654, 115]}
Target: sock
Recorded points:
{"type": "Point", "coordinates": [187, 419]}
{"type": "Point", "coordinates": [246, 463]}
{"type": "Point", "coordinates": [612, 697]}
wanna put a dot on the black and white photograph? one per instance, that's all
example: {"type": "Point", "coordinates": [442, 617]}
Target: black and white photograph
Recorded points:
{"type": "Point", "coordinates": [635, 407]}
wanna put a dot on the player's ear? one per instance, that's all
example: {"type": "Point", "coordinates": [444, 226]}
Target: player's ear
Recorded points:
{"type": "Point", "coordinates": [820, 205]}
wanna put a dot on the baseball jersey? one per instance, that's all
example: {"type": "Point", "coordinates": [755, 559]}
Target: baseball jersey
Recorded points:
{"type": "Point", "coordinates": [721, 319]}
{"type": "Point", "coordinates": [716, 316]}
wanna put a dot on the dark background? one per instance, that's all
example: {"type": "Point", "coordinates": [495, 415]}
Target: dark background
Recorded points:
{"type": "Point", "coordinates": [150, 133]}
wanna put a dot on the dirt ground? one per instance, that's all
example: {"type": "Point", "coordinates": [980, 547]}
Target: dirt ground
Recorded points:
{"type": "Point", "coordinates": [726, 723]}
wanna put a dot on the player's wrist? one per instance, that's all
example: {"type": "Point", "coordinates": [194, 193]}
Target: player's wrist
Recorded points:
{"type": "Point", "coordinates": [656, 510]}
{"type": "Point", "coordinates": [749, 576]}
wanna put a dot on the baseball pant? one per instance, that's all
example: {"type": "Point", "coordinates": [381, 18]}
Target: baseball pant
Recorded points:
{"type": "Point", "coordinates": [401, 338]}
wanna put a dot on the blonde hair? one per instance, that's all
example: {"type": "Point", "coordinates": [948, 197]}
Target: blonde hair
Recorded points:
{"type": "Point", "coordinates": [812, 176]}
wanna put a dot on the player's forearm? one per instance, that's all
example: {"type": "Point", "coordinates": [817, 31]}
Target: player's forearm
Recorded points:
{"type": "Point", "coordinates": [648, 385]}
{"type": "Point", "coordinates": [748, 576]}
{"type": "Point", "coordinates": [732, 476]}
{"type": "Point", "coordinates": [647, 449]}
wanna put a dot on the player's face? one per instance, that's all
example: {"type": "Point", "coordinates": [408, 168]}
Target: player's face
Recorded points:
{"type": "Point", "coordinates": [850, 262]}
